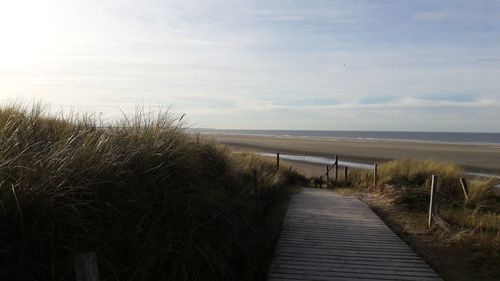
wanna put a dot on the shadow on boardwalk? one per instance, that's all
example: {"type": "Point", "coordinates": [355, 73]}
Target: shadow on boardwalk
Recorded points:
{"type": "Point", "coordinates": [330, 237]}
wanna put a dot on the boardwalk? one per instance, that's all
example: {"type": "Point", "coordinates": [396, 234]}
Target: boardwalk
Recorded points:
{"type": "Point", "coordinates": [329, 237]}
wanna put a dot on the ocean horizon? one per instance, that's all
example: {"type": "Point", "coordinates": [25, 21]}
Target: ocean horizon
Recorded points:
{"type": "Point", "coordinates": [447, 137]}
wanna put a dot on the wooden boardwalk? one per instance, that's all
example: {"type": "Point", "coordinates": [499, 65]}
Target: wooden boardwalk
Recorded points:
{"type": "Point", "coordinates": [330, 237]}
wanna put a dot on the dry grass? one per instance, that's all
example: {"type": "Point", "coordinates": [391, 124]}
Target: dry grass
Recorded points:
{"type": "Point", "coordinates": [154, 202]}
{"type": "Point", "coordinates": [482, 194]}
{"type": "Point", "coordinates": [464, 244]}
{"type": "Point", "coordinates": [472, 224]}
{"type": "Point", "coordinates": [409, 181]}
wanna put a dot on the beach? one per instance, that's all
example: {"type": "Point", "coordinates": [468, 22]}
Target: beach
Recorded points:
{"type": "Point", "coordinates": [480, 158]}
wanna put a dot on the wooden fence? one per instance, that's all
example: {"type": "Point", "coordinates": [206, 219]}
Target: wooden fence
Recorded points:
{"type": "Point", "coordinates": [318, 182]}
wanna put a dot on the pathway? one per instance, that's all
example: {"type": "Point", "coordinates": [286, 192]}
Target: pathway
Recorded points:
{"type": "Point", "coordinates": [326, 236]}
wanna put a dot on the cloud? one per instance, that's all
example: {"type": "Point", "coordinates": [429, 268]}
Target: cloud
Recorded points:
{"type": "Point", "coordinates": [245, 63]}
{"type": "Point", "coordinates": [489, 59]}
{"type": "Point", "coordinates": [436, 15]}
{"type": "Point", "coordinates": [289, 18]}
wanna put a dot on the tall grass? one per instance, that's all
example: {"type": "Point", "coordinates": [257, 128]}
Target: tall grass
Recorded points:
{"type": "Point", "coordinates": [410, 180]}
{"type": "Point", "coordinates": [153, 201]}
{"type": "Point", "coordinates": [481, 194]}
{"type": "Point", "coordinates": [407, 183]}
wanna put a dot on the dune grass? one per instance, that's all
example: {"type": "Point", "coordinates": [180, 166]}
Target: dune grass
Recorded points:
{"type": "Point", "coordinates": [464, 240]}
{"type": "Point", "coordinates": [407, 183]}
{"type": "Point", "coordinates": [154, 202]}
{"type": "Point", "coordinates": [410, 181]}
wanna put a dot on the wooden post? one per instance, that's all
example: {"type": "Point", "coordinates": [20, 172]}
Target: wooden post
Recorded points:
{"type": "Point", "coordinates": [327, 176]}
{"type": "Point", "coordinates": [465, 189]}
{"type": "Point", "coordinates": [86, 267]}
{"type": "Point", "coordinates": [277, 161]}
{"type": "Point", "coordinates": [345, 173]}
{"type": "Point", "coordinates": [375, 167]}
{"type": "Point", "coordinates": [336, 169]}
{"type": "Point", "coordinates": [432, 203]}
{"type": "Point", "coordinates": [320, 181]}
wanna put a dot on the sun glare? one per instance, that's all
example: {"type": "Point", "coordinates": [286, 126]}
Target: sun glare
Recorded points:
{"type": "Point", "coordinates": [27, 32]}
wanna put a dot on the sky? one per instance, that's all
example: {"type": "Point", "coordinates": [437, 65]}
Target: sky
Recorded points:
{"type": "Point", "coordinates": [412, 65]}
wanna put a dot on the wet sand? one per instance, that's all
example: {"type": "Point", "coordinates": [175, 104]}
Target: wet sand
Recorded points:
{"type": "Point", "coordinates": [307, 169]}
{"type": "Point", "coordinates": [475, 158]}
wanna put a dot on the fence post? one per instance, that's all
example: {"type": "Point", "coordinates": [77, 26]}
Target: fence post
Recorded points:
{"type": "Point", "coordinates": [86, 267]}
{"type": "Point", "coordinates": [336, 169]}
{"type": "Point", "coordinates": [320, 181]}
{"type": "Point", "coordinates": [277, 161]}
{"type": "Point", "coordinates": [327, 176]}
{"type": "Point", "coordinates": [345, 173]}
{"type": "Point", "coordinates": [465, 189]}
{"type": "Point", "coordinates": [375, 168]}
{"type": "Point", "coordinates": [432, 203]}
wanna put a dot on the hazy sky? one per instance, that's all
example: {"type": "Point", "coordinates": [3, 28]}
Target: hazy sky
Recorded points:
{"type": "Point", "coordinates": [354, 64]}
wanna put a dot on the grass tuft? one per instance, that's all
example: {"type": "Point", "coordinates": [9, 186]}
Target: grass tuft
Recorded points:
{"type": "Point", "coordinates": [481, 194]}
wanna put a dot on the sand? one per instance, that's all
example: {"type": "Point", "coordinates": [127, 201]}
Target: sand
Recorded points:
{"type": "Point", "coordinates": [475, 158]}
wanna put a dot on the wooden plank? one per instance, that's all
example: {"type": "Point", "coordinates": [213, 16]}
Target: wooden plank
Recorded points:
{"type": "Point", "coordinates": [352, 260]}
{"type": "Point", "coordinates": [334, 275]}
{"type": "Point", "coordinates": [334, 254]}
{"type": "Point", "coordinates": [357, 248]}
{"type": "Point", "coordinates": [325, 271]}
{"type": "Point", "coordinates": [353, 264]}
{"type": "Point", "coordinates": [332, 242]}
{"type": "Point", "coordinates": [329, 237]}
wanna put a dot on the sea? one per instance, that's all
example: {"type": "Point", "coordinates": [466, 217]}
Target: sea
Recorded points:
{"type": "Point", "coordinates": [446, 137]}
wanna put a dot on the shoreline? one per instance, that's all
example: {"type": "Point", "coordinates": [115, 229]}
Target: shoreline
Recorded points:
{"type": "Point", "coordinates": [473, 158]}
{"type": "Point", "coordinates": [463, 138]}
{"type": "Point", "coordinates": [359, 139]}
